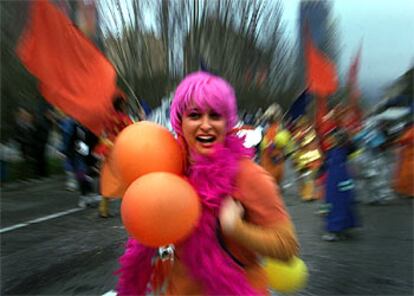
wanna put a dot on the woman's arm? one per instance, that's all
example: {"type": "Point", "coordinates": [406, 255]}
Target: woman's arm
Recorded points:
{"type": "Point", "coordinates": [278, 241]}
{"type": "Point", "coordinates": [262, 224]}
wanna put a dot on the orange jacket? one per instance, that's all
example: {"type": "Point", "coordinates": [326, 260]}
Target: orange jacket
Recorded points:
{"type": "Point", "coordinates": [266, 230]}
{"type": "Point", "coordinates": [404, 177]}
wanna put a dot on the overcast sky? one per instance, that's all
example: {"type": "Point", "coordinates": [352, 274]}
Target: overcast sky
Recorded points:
{"type": "Point", "coordinates": [386, 29]}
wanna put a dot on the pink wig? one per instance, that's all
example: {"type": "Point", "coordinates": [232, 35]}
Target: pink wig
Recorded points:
{"type": "Point", "coordinates": [205, 91]}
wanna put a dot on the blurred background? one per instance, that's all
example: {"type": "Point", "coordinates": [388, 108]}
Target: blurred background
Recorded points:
{"type": "Point", "coordinates": [259, 47]}
{"type": "Point", "coordinates": [256, 45]}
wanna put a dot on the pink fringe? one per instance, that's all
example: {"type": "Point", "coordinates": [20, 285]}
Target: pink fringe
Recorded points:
{"type": "Point", "coordinates": [136, 269]}
{"type": "Point", "coordinates": [214, 178]}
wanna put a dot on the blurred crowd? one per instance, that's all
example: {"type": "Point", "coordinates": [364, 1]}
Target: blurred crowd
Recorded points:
{"type": "Point", "coordinates": [370, 163]}
{"type": "Point", "coordinates": [338, 163]}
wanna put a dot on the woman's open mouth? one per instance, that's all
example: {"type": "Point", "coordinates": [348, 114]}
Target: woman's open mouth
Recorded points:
{"type": "Point", "coordinates": [206, 139]}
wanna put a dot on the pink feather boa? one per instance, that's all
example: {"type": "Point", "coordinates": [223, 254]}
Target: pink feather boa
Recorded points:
{"type": "Point", "coordinates": [214, 178]}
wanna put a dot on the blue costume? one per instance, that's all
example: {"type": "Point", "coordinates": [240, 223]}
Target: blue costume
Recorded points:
{"type": "Point", "coordinates": [78, 144]}
{"type": "Point", "coordinates": [339, 193]}
{"type": "Point", "coordinates": [66, 126]}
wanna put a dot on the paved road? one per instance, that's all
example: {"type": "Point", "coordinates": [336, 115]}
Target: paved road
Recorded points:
{"type": "Point", "coordinates": [76, 253]}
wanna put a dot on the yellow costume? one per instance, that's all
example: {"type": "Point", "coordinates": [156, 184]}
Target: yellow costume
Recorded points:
{"type": "Point", "coordinates": [273, 147]}
{"type": "Point", "coordinates": [307, 159]}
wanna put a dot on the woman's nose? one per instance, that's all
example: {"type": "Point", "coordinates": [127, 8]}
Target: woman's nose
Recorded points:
{"type": "Point", "coordinates": [205, 123]}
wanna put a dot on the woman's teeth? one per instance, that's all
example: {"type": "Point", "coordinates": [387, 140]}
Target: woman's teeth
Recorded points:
{"type": "Point", "coordinates": [205, 139]}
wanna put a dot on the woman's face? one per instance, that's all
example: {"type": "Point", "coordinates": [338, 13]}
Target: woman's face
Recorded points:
{"type": "Point", "coordinates": [203, 130]}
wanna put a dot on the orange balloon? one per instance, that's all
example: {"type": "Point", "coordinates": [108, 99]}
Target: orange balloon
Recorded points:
{"type": "Point", "coordinates": [146, 147]}
{"type": "Point", "coordinates": [160, 208]}
{"type": "Point", "coordinates": [110, 184]}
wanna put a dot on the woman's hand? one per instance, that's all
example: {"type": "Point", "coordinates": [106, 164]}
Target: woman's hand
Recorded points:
{"type": "Point", "coordinates": [231, 211]}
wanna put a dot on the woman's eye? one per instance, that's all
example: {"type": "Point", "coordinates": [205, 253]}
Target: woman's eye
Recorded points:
{"type": "Point", "coordinates": [194, 115]}
{"type": "Point", "coordinates": [215, 116]}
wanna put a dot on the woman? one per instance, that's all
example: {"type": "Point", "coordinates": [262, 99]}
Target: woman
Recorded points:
{"type": "Point", "coordinates": [243, 216]}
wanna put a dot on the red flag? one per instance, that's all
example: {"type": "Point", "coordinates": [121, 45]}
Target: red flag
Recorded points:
{"type": "Point", "coordinates": [353, 78]}
{"type": "Point", "coordinates": [321, 72]}
{"type": "Point", "coordinates": [355, 116]}
{"type": "Point", "coordinates": [353, 70]}
{"type": "Point", "coordinates": [73, 74]}
{"type": "Point", "coordinates": [324, 123]}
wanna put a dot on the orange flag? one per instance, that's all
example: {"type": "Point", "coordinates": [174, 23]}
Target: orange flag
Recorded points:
{"type": "Point", "coordinates": [73, 74]}
{"type": "Point", "coordinates": [321, 71]}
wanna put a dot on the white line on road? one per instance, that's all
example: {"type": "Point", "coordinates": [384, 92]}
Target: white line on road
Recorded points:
{"type": "Point", "coordinates": [41, 219]}
{"type": "Point", "coordinates": [110, 293]}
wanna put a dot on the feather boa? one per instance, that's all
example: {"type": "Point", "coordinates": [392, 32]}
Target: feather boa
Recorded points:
{"type": "Point", "coordinates": [214, 178]}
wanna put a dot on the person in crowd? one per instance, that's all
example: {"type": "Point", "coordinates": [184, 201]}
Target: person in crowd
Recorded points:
{"type": "Point", "coordinates": [43, 125]}
{"type": "Point", "coordinates": [78, 149]}
{"type": "Point", "coordinates": [118, 122]}
{"type": "Point", "coordinates": [339, 196]}
{"type": "Point", "coordinates": [370, 165]}
{"type": "Point", "coordinates": [24, 133]}
{"type": "Point", "coordinates": [404, 174]}
{"type": "Point", "coordinates": [243, 215]}
{"type": "Point", "coordinates": [307, 158]}
{"type": "Point", "coordinates": [275, 144]}
{"type": "Point", "coordinates": [24, 138]}
{"type": "Point", "coordinates": [66, 125]}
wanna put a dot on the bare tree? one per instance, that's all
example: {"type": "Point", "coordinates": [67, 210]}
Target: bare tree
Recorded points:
{"type": "Point", "coordinates": [242, 41]}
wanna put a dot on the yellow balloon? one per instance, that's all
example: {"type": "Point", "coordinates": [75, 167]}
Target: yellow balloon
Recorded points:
{"type": "Point", "coordinates": [286, 277]}
{"type": "Point", "coordinates": [282, 138]}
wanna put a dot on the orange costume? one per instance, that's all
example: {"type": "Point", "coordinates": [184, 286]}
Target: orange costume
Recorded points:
{"type": "Point", "coordinates": [272, 155]}
{"type": "Point", "coordinates": [404, 178]}
{"type": "Point", "coordinates": [269, 232]}
{"type": "Point", "coordinates": [110, 185]}
{"type": "Point", "coordinates": [117, 123]}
